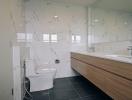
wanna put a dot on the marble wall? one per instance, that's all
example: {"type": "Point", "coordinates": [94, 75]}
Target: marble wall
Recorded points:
{"type": "Point", "coordinates": [111, 31]}
{"type": "Point", "coordinates": [65, 20]}
{"type": "Point", "coordinates": [108, 32]}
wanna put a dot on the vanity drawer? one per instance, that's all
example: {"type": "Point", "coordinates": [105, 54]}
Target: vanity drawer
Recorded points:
{"type": "Point", "coordinates": [96, 76]}
{"type": "Point", "coordinates": [119, 68]}
{"type": "Point", "coordinates": [117, 87]}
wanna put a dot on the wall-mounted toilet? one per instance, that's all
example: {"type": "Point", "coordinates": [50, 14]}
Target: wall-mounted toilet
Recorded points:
{"type": "Point", "coordinates": [40, 79]}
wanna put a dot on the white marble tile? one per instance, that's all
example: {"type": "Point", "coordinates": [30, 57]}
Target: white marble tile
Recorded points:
{"type": "Point", "coordinates": [71, 19]}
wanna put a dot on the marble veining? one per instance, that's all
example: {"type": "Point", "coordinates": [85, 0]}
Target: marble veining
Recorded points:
{"type": "Point", "coordinates": [48, 17]}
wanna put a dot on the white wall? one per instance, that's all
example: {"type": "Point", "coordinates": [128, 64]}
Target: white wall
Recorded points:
{"type": "Point", "coordinates": [72, 20]}
{"type": "Point", "coordinates": [111, 31]}
{"type": "Point", "coordinates": [10, 23]}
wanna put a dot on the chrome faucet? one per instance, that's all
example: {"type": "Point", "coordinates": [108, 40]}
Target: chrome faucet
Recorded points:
{"type": "Point", "coordinates": [130, 49]}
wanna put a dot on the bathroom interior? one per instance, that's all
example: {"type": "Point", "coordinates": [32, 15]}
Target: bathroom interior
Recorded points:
{"type": "Point", "coordinates": [66, 50]}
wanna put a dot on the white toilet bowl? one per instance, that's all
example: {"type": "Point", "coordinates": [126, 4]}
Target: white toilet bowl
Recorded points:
{"type": "Point", "coordinates": [41, 79]}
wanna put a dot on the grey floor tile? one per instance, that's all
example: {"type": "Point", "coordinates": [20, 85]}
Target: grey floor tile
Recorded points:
{"type": "Point", "coordinates": [62, 83]}
{"type": "Point", "coordinates": [77, 79]}
{"type": "Point", "coordinates": [72, 88]}
{"type": "Point", "coordinates": [40, 96]}
{"type": "Point", "coordinates": [63, 95]}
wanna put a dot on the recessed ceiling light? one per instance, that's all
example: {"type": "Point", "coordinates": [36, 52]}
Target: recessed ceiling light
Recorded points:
{"type": "Point", "coordinates": [55, 16]}
{"type": "Point", "coordinates": [96, 20]}
{"type": "Point", "coordinates": [125, 23]}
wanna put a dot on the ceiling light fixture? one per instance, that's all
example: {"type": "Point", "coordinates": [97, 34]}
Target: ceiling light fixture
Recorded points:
{"type": "Point", "coordinates": [96, 20]}
{"type": "Point", "coordinates": [56, 17]}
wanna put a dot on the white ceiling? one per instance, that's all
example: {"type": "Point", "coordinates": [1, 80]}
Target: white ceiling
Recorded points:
{"type": "Point", "coordinates": [125, 5]}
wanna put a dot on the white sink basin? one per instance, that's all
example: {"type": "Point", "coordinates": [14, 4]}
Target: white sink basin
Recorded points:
{"type": "Point", "coordinates": [119, 56]}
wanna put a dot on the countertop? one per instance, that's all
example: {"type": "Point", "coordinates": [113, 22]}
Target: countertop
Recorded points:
{"type": "Point", "coordinates": [120, 58]}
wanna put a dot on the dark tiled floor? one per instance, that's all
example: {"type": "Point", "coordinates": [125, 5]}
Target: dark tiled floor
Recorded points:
{"type": "Point", "coordinates": [73, 88]}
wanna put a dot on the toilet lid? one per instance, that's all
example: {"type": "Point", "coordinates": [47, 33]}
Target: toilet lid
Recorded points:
{"type": "Point", "coordinates": [45, 70]}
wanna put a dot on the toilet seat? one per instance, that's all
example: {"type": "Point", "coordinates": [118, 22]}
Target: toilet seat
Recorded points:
{"type": "Point", "coordinates": [45, 70]}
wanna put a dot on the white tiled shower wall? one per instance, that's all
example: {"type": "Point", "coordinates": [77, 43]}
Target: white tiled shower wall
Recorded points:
{"type": "Point", "coordinates": [108, 31]}
{"type": "Point", "coordinates": [40, 19]}
{"type": "Point", "coordinates": [111, 31]}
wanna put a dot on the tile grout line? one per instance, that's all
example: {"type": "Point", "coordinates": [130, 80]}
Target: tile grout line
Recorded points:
{"type": "Point", "coordinates": [75, 90]}
{"type": "Point", "coordinates": [49, 94]}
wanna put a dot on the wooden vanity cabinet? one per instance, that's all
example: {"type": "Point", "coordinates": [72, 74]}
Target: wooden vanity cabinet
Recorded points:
{"type": "Point", "coordinates": [115, 84]}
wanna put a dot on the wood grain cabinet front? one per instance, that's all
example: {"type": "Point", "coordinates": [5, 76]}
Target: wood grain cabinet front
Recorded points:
{"type": "Point", "coordinates": [116, 86]}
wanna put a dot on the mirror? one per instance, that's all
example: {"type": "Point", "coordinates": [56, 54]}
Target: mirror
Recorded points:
{"type": "Point", "coordinates": [110, 26]}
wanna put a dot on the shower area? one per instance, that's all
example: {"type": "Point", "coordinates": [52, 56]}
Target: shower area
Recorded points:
{"type": "Point", "coordinates": [53, 31]}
